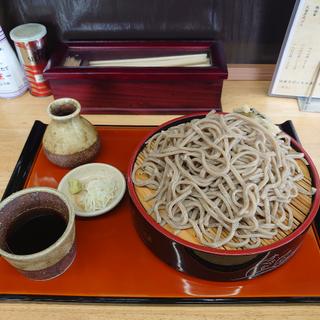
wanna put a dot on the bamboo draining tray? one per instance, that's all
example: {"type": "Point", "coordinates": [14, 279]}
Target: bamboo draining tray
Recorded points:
{"type": "Point", "coordinates": [300, 207]}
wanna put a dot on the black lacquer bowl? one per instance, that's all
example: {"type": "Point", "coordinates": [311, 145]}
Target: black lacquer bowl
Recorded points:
{"type": "Point", "coordinates": [214, 263]}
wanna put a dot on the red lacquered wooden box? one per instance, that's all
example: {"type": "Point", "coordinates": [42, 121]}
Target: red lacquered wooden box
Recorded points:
{"type": "Point", "coordinates": [138, 90]}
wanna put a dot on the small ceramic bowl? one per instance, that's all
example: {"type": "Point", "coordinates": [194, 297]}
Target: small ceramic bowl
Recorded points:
{"type": "Point", "coordinates": [88, 172]}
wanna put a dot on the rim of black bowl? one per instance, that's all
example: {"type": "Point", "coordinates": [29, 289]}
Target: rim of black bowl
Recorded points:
{"type": "Point", "coordinates": [300, 230]}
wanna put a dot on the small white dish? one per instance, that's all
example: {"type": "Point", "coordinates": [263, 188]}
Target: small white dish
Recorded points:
{"type": "Point", "coordinates": [90, 171]}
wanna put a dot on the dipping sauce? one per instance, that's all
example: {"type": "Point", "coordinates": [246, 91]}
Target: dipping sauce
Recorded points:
{"type": "Point", "coordinates": [63, 109]}
{"type": "Point", "coordinates": [35, 230]}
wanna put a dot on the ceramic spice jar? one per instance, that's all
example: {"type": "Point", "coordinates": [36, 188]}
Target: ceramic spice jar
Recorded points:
{"type": "Point", "coordinates": [70, 140]}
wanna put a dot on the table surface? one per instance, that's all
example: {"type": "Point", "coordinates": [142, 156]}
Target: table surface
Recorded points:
{"type": "Point", "coordinates": [16, 119]}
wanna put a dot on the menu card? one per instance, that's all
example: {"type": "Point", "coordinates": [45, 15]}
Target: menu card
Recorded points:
{"type": "Point", "coordinates": [298, 62]}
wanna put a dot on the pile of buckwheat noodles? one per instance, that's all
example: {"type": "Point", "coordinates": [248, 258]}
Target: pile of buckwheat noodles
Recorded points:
{"type": "Point", "coordinates": [225, 176]}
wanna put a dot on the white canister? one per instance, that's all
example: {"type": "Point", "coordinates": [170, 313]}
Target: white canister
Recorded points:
{"type": "Point", "coordinates": [13, 82]}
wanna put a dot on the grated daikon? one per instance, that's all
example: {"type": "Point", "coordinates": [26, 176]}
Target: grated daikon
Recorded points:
{"type": "Point", "coordinates": [98, 193]}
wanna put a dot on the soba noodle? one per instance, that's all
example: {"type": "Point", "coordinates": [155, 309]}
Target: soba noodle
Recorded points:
{"type": "Point", "coordinates": [225, 176]}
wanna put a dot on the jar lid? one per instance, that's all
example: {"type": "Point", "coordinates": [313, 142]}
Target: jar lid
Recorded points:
{"type": "Point", "coordinates": [28, 32]}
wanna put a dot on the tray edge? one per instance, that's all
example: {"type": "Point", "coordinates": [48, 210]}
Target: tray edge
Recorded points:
{"type": "Point", "coordinates": [17, 181]}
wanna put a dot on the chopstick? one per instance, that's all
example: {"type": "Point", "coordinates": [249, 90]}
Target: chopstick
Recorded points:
{"type": "Point", "coordinates": [165, 61]}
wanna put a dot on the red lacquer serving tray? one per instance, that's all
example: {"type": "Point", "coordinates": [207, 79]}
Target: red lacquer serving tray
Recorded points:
{"type": "Point", "coordinates": [113, 264]}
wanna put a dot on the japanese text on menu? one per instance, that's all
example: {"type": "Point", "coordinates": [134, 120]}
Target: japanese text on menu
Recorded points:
{"type": "Point", "coordinates": [301, 55]}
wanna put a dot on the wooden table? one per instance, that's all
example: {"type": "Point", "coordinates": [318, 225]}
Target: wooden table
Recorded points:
{"type": "Point", "coordinates": [16, 119]}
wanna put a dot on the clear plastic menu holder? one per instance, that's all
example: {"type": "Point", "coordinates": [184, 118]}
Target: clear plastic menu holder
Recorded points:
{"type": "Point", "coordinates": [311, 104]}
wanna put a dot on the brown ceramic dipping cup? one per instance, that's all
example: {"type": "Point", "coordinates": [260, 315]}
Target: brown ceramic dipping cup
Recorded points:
{"type": "Point", "coordinates": [53, 260]}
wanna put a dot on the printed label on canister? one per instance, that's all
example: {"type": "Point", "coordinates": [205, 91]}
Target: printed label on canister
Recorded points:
{"type": "Point", "coordinates": [32, 56]}
{"type": "Point", "coordinates": [12, 79]}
